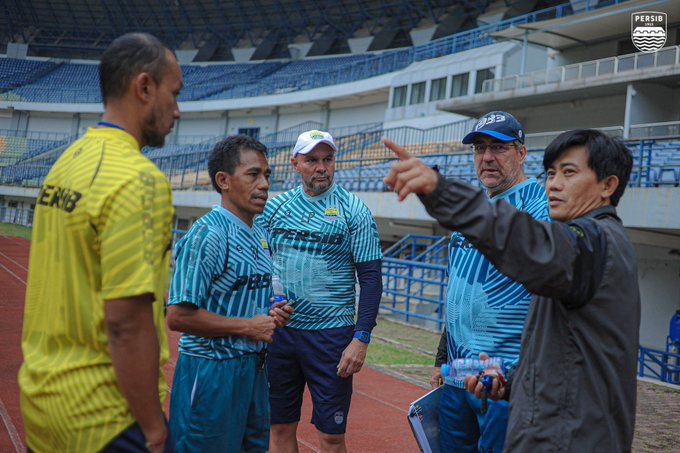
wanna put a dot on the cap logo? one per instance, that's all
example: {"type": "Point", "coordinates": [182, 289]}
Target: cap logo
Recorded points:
{"type": "Point", "coordinates": [316, 135]}
{"type": "Point", "coordinates": [489, 120]}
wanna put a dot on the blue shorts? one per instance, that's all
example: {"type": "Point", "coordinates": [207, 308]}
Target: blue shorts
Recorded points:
{"type": "Point", "coordinates": [219, 405]}
{"type": "Point", "coordinates": [297, 357]}
{"type": "Point", "coordinates": [462, 428]}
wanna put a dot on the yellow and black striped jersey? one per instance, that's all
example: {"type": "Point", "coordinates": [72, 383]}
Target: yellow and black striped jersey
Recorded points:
{"type": "Point", "coordinates": [102, 231]}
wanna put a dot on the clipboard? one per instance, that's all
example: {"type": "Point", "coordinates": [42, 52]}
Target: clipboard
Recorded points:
{"type": "Point", "coordinates": [423, 417]}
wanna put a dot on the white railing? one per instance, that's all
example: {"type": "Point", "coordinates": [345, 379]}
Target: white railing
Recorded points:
{"type": "Point", "coordinates": [667, 56]}
{"type": "Point", "coordinates": [655, 130]}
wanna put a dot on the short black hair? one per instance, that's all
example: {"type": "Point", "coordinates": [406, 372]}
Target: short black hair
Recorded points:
{"type": "Point", "coordinates": [127, 56]}
{"type": "Point", "coordinates": [226, 155]}
{"type": "Point", "coordinates": [607, 155]}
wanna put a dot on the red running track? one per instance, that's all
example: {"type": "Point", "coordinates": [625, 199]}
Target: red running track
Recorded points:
{"type": "Point", "coordinates": [377, 420]}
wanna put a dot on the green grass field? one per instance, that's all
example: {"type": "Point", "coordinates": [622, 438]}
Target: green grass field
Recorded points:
{"type": "Point", "coordinates": [9, 229]}
{"type": "Point", "coordinates": [403, 350]}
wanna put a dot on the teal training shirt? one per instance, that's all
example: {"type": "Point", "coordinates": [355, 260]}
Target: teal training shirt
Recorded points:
{"type": "Point", "coordinates": [485, 310]}
{"type": "Point", "coordinates": [315, 243]}
{"type": "Point", "coordinates": [224, 267]}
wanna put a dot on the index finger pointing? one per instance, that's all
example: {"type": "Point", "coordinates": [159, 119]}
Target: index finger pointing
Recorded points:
{"type": "Point", "coordinates": [399, 151]}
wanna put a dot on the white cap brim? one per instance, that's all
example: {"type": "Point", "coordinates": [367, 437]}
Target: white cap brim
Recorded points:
{"type": "Point", "coordinates": [310, 146]}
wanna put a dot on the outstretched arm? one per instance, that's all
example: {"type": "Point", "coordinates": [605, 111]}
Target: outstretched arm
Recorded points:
{"type": "Point", "coordinates": [543, 260]}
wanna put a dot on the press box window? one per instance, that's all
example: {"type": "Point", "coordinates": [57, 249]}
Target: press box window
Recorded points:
{"type": "Point", "coordinates": [438, 89]}
{"type": "Point", "coordinates": [482, 75]}
{"type": "Point", "coordinates": [417, 93]}
{"type": "Point", "coordinates": [459, 85]}
{"type": "Point", "coordinates": [399, 96]}
{"type": "Point", "coordinates": [249, 131]}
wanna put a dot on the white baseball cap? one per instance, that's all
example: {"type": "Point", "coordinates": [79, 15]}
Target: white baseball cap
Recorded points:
{"type": "Point", "coordinates": [307, 141]}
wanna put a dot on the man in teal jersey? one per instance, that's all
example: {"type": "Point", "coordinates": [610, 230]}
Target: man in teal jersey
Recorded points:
{"type": "Point", "coordinates": [219, 300]}
{"type": "Point", "coordinates": [485, 310]}
{"type": "Point", "coordinates": [322, 239]}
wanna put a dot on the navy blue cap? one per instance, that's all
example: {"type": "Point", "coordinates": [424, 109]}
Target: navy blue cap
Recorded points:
{"type": "Point", "coordinates": [499, 125]}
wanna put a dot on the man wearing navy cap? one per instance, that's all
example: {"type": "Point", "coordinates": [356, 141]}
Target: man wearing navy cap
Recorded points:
{"type": "Point", "coordinates": [485, 310]}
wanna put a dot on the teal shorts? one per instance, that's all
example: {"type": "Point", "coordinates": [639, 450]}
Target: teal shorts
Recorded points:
{"type": "Point", "coordinates": [219, 405]}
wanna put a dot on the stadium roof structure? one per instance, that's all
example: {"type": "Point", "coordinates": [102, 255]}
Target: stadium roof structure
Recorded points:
{"type": "Point", "coordinates": [577, 82]}
{"type": "Point", "coordinates": [83, 28]}
{"type": "Point", "coordinates": [587, 28]}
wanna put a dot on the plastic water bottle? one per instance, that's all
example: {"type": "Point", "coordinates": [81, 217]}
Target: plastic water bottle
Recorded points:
{"type": "Point", "coordinates": [277, 289]}
{"type": "Point", "coordinates": [460, 368]}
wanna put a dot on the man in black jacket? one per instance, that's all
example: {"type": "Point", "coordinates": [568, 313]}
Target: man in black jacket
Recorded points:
{"type": "Point", "coordinates": [575, 387]}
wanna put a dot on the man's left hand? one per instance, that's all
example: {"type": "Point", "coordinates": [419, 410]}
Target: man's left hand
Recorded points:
{"type": "Point", "coordinates": [352, 358]}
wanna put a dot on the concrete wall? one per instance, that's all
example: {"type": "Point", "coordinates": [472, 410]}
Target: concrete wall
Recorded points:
{"type": "Point", "coordinates": [210, 123]}
{"type": "Point", "coordinates": [352, 116]}
{"type": "Point", "coordinates": [265, 121]}
{"type": "Point", "coordinates": [46, 122]}
{"type": "Point", "coordinates": [659, 279]}
{"type": "Point", "coordinates": [599, 112]}
{"type": "Point", "coordinates": [290, 116]}
{"type": "Point", "coordinates": [5, 118]}
{"type": "Point", "coordinates": [536, 58]}
{"type": "Point", "coordinates": [651, 104]}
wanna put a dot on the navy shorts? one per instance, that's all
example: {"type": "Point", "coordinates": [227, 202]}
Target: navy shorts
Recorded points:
{"type": "Point", "coordinates": [297, 357]}
{"type": "Point", "coordinates": [132, 440]}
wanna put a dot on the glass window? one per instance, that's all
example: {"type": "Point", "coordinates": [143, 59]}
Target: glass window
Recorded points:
{"type": "Point", "coordinates": [399, 96]}
{"type": "Point", "coordinates": [459, 85]}
{"type": "Point", "coordinates": [249, 131]}
{"type": "Point", "coordinates": [482, 75]}
{"type": "Point", "coordinates": [438, 89]}
{"type": "Point", "coordinates": [417, 93]}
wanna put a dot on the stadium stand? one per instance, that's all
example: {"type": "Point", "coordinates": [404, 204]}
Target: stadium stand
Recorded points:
{"type": "Point", "coordinates": [362, 161]}
{"type": "Point", "coordinates": [243, 80]}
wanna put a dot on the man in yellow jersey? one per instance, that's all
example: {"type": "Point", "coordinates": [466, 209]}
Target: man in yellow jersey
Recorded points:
{"type": "Point", "coordinates": [94, 334]}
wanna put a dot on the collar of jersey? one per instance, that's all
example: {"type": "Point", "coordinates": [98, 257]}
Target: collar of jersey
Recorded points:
{"type": "Point", "coordinates": [327, 193]}
{"type": "Point", "coordinates": [112, 132]}
{"type": "Point", "coordinates": [514, 189]}
{"type": "Point", "coordinates": [229, 215]}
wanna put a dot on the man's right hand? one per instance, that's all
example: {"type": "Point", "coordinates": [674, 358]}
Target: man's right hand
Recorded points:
{"type": "Point", "coordinates": [409, 175]}
{"type": "Point", "coordinates": [281, 313]}
{"type": "Point", "coordinates": [156, 438]}
{"type": "Point", "coordinates": [261, 328]}
{"type": "Point", "coordinates": [474, 385]}
{"type": "Point", "coordinates": [436, 378]}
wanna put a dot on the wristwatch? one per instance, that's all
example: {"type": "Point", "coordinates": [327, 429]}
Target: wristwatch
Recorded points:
{"type": "Point", "coordinates": [363, 336]}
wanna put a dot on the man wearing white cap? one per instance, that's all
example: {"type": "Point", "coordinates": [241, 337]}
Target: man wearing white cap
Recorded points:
{"type": "Point", "coordinates": [322, 239]}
